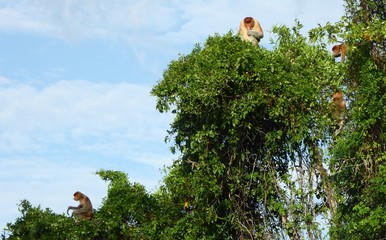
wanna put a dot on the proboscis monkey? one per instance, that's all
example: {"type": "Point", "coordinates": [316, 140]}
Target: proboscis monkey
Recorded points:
{"type": "Point", "coordinates": [250, 30]}
{"type": "Point", "coordinates": [340, 110]}
{"type": "Point", "coordinates": [339, 50]}
{"type": "Point", "coordinates": [84, 209]}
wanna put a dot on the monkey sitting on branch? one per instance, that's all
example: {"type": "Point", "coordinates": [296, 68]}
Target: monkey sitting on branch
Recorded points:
{"type": "Point", "coordinates": [84, 209]}
{"type": "Point", "coordinates": [250, 30]}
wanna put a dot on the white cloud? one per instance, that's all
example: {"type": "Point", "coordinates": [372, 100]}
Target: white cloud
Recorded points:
{"type": "Point", "coordinates": [16, 20]}
{"type": "Point", "coordinates": [4, 80]}
{"type": "Point", "coordinates": [100, 117]}
{"type": "Point", "coordinates": [73, 104]}
{"type": "Point", "coordinates": [84, 18]}
{"type": "Point", "coordinates": [153, 29]}
{"type": "Point", "coordinates": [156, 23]}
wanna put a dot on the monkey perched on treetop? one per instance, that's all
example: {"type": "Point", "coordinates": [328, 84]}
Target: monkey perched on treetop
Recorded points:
{"type": "Point", "coordinates": [250, 30]}
{"type": "Point", "coordinates": [84, 209]}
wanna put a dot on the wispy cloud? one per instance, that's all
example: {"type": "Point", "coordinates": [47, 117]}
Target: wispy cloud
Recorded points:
{"type": "Point", "coordinates": [4, 81]}
{"type": "Point", "coordinates": [73, 112]}
{"type": "Point", "coordinates": [82, 19]}
{"type": "Point", "coordinates": [159, 28]}
{"type": "Point", "coordinates": [152, 24]}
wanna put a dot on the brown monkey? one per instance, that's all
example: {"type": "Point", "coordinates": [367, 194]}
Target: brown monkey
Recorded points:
{"type": "Point", "coordinates": [340, 109]}
{"type": "Point", "coordinates": [250, 30]}
{"type": "Point", "coordinates": [84, 209]}
{"type": "Point", "coordinates": [339, 50]}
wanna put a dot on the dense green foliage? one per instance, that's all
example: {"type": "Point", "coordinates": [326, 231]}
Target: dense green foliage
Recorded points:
{"type": "Point", "coordinates": [125, 214]}
{"type": "Point", "coordinates": [246, 120]}
{"type": "Point", "coordinates": [359, 156]}
{"type": "Point", "coordinates": [257, 154]}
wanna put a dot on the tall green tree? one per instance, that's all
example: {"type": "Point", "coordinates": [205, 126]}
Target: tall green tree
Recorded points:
{"type": "Point", "coordinates": [249, 126]}
{"type": "Point", "coordinates": [359, 156]}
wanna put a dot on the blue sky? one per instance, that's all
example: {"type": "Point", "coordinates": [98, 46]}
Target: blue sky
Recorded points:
{"type": "Point", "coordinates": [75, 77]}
